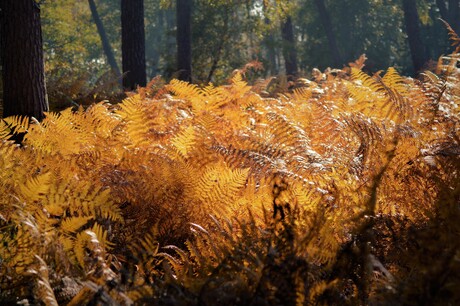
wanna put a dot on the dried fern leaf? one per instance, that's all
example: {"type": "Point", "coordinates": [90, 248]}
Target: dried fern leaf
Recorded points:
{"type": "Point", "coordinates": [36, 188]}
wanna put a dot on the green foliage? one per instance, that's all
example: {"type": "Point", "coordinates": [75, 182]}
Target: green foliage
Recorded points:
{"type": "Point", "coordinates": [75, 65]}
{"type": "Point", "coordinates": [226, 35]}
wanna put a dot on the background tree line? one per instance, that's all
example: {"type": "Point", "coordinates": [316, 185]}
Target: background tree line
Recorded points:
{"type": "Point", "coordinates": [228, 34]}
{"type": "Point", "coordinates": [86, 42]}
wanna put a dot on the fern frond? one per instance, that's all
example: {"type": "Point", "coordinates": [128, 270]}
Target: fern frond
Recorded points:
{"type": "Point", "coordinates": [396, 108]}
{"type": "Point", "coordinates": [101, 235]}
{"type": "Point", "coordinates": [35, 188]}
{"type": "Point", "coordinates": [239, 86]}
{"type": "Point", "coordinates": [302, 94]}
{"type": "Point", "coordinates": [81, 241]}
{"type": "Point", "coordinates": [5, 130]}
{"type": "Point", "coordinates": [183, 90]}
{"type": "Point", "coordinates": [370, 138]}
{"type": "Point", "coordinates": [453, 36]}
{"type": "Point", "coordinates": [289, 136]}
{"type": "Point", "coordinates": [219, 185]}
{"type": "Point", "coordinates": [44, 291]}
{"type": "Point", "coordinates": [394, 81]}
{"type": "Point", "coordinates": [18, 124]}
{"type": "Point", "coordinates": [189, 92]}
{"type": "Point", "coordinates": [101, 119]}
{"type": "Point", "coordinates": [216, 97]}
{"type": "Point", "coordinates": [184, 141]}
{"type": "Point", "coordinates": [72, 225]}
{"type": "Point", "coordinates": [138, 123]}
{"type": "Point", "coordinates": [367, 81]}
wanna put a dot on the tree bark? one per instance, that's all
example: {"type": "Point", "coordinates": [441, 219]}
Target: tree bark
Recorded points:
{"type": "Point", "coordinates": [289, 49]}
{"type": "Point", "coordinates": [184, 39]}
{"type": "Point", "coordinates": [133, 43]}
{"type": "Point", "coordinates": [327, 24]}
{"type": "Point", "coordinates": [105, 41]}
{"type": "Point", "coordinates": [417, 48]}
{"type": "Point", "coordinates": [24, 88]}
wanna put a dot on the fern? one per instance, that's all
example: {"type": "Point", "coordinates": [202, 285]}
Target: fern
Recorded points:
{"type": "Point", "coordinates": [453, 37]}
{"type": "Point", "coordinates": [18, 124]}
{"type": "Point", "coordinates": [295, 180]}
{"type": "Point", "coordinates": [394, 81]}
{"type": "Point", "coordinates": [36, 188]}
{"type": "Point", "coordinates": [44, 290]}
{"type": "Point", "coordinates": [184, 141]}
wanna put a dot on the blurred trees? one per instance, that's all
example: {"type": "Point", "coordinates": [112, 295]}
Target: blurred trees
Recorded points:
{"type": "Point", "coordinates": [411, 19]}
{"type": "Point", "coordinates": [328, 28]}
{"type": "Point", "coordinates": [450, 12]}
{"type": "Point", "coordinates": [288, 37]}
{"type": "Point", "coordinates": [104, 40]}
{"type": "Point", "coordinates": [289, 47]}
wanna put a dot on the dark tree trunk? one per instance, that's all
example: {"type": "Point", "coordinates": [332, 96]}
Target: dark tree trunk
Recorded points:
{"type": "Point", "coordinates": [184, 39]}
{"type": "Point", "coordinates": [327, 24]}
{"type": "Point", "coordinates": [105, 41]}
{"type": "Point", "coordinates": [417, 49]}
{"type": "Point", "coordinates": [153, 70]}
{"type": "Point", "coordinates": [24, 90]}
{"type": "Point", "coordinates": [269, 42]}
{"type": "Point", "coordinates": [133, 43]}
{"type": "Point", "coordinates": [450, 12]}
{"type": "Point", "coordinates": [217, 54]}
{"type": "Point", "coordinates": [454, 14]}
{"type": "Point", "coordinates": [289, 50]}
{"type": "Point", "coordinates": [441, 4]}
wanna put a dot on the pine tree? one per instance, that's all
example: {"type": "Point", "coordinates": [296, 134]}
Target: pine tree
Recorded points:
{"type": "Point", "coordinates": [24, 89]}
{"type": "Point", "coordinates": [133, 43]}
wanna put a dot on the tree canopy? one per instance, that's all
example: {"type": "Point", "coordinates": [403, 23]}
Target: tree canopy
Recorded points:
{"type": "Point", "coordinates": [228, 34]}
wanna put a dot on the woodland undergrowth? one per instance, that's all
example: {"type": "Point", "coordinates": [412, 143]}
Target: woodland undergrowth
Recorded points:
{"type": "Point", "coordinates": [343, 190]}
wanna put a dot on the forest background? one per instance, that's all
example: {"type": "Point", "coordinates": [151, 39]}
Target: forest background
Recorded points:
{"type": "Point", "coordinates": [228, 34]}
{"type": "Point", "coordinates": [296, 184]}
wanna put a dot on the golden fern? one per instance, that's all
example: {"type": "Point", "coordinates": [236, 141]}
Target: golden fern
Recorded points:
{"type": "Point", "coordinates": [5, 131]}
{"type": "Point", "coordinates": [184, 141]}
{"type": "Point", "coordinates": [36, 188]}
{"type": "Point", "coordinates": [394, 81]}
{"type": "Point", "coordinates": [366, 81]}
{"type": "Point", "coordinates": [453, 36]}
{"type": "Point", "coordinates": [88, 184]}
{"type": "Point", "coordinates": [18, 124]}
{"type": "Point", "coordinates": [137, 121]}
{"type": "Point", "coordinates": [219, 186]}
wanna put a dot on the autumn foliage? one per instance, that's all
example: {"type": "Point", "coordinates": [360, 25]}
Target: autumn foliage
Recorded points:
{"type": "Point", "coordinates": [339, 190]}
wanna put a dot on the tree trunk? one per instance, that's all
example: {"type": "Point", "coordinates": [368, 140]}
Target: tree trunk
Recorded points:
{"type": "Point", "coordinates": [133, 43]}
{"type": "Point", "coordinates": [105, 41]}
{"type": "Point", "coordinates": [441, 4]}
{"type": "Point", "coordinates": [269, 42]}
{"type": "Point", "coordinates": [184, 39]}
{"type": "Point", "coordinates": [289, 50]}
{"type": "Point", "coordinates": [24, 90]}
{"type": "Point", "coordinates": [450, 12]}
{"type": "Point", "coordinates": [217, 54]}
{"type": "Point", "coordinates": [417, 49]}
{"type": "Point", "coordinates": [327, 24]}
{"type": "Point", "coordinates": [454, 14]}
